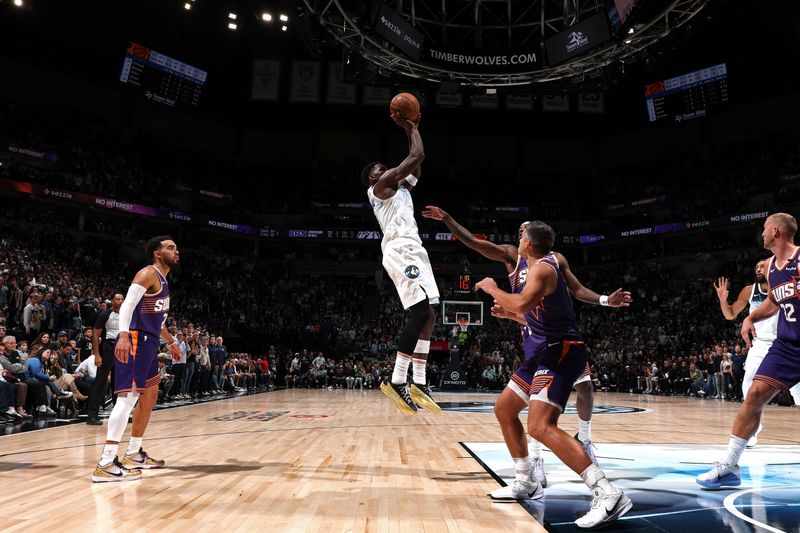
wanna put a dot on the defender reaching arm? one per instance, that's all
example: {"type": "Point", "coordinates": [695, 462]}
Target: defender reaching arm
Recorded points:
{"type": "Point", "coordinates": [504, 253]}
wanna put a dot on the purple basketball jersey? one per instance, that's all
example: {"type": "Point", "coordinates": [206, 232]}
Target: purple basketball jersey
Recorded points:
{"type": "Point", "coordinates": [151, 311]}
{"type": "Point", "coordinates": [784, 284]}
{"type": "Point", "coordinates": [553, 319]}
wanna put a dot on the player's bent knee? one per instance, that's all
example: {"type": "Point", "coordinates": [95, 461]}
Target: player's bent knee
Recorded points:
{"type": "Point", "coordinates": [503, 412]}
{"type": "Point", "coordinates": [538, 429]}
{"type": "Point", "coordinates": [759, 394]}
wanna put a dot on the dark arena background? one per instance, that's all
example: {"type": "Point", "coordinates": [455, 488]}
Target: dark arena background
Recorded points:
{"type": "Point", "coordinates": [655, 137]}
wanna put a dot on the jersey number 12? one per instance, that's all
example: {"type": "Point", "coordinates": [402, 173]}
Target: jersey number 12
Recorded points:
{"type": "Point", "coordinates": [788, 312]}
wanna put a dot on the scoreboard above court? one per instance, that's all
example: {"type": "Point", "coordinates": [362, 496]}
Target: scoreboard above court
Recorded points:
{"type": "Point", "coordinates": [162, 79]}
{"type": "Point", "coordinates": [688, 96]}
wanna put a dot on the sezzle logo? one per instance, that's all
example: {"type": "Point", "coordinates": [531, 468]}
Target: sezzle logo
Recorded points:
{"type": "Point", "coordinates": [412, 272]}
{"type": "Point", "coordinates": [576, 40]}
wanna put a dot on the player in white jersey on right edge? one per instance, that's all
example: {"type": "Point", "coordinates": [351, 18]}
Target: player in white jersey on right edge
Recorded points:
{"type": "Point", "coordinates": [407, 263]}
{"type": "Point", "coordinates": [766, 330]}
{"type": "Point", "coordinates": [528, 461]}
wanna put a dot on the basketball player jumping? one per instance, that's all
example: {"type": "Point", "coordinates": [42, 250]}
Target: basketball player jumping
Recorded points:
{"type": "Point", "coordinates": [780, 369]}
{"type": "Point", "coordinates": [528, 461]}
{"type": "Point", "coordinates": [407, 263]}
{"type": "Point", "coordinates": [142, 319]}
{"type": "Point", "coordinates": [766, 330]}
{"type": "Point", "coordinates": [558, 359]}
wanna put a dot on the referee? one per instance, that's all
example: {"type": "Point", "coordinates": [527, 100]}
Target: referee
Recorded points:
{"type": "Point", "coordinates": [104, 339]}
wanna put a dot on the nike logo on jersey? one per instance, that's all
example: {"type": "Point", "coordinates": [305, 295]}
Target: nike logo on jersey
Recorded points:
{"type": "Point", "coordinates": [551, 344]}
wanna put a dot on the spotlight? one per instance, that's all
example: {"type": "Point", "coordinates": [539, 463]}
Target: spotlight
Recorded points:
{"type": "Point", "coordinates": [284, 28]}
{"type": "Point", "coordinates": [232, 16]}
{"type": "Point", "coordinates": [284, 18]}
{"type": "Point", "coordinates": [18, 3]}
{"type": "Point", "coordinates": [231, 25]}
{"type": "Point", "coordinates": [630, 31]}
{"type": "Point", "coordinates": [187, 6]}
{"type": "Point", "coordinates": [627, 41]}
{"type": "Point", "coordinates": [266, 17]}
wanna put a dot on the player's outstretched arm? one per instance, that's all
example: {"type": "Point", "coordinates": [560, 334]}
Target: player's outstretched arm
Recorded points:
{"type": "Point", "coordinates": [506, 254]}
{"type": "Point", "coordinates": [731, 311]}
{"type": "Point", "coordinates": [618, 298]}
{"type": "Point", "coordinates": [417, 172]}
{"type": "Point", "coordinates": [416, 153]}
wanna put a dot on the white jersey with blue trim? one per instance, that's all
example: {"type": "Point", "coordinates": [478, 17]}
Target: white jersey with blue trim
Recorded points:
{"type": "Point", "coordinates": [395, 216]}
{"type": "Point", "coordinates": [767, 329]}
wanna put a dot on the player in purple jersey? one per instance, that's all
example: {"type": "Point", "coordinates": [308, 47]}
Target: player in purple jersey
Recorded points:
{"type": "Point", "coordinates": [528, 463]}
{"type": "Point", "coordinates": [142, 319]}
{"type": "Point", "coordinates": [559, 357]}
{"type": "Point", "coordinates": [780, 369]}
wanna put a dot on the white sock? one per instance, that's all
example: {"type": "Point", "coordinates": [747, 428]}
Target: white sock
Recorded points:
{"type": "Point", "coordinates": [420, 361]}
{"type": "Point", "coordinates": [418, 370]}
{"type": "Point", "coordinates": [535, 449]}
{"type": "Point", "coordinates": [584, 430]}
{"type": "Point", "coordinates": [522, 468]}
{"type": "Point", "coordinates": [594, 478]}
{"type": "Point", "coordinates": [400, 373]}
{"type": "Point", "coordinates": [109, 453]}
{"type": "Point", "coordinates": [134, 444]}
{"type": "Point", "coordinates": [735, 448]}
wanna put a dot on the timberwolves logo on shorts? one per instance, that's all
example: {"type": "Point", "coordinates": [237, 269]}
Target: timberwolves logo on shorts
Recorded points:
{"type": "Point", "coordinates": [412, 272]}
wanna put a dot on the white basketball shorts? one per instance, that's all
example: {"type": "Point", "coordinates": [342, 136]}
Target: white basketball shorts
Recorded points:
{"type": "Point", "coordinates": [408, 265]}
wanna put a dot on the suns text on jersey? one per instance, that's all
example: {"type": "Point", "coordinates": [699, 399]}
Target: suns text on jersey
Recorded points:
{"type": "Point", "coordinates": [161, 305]}
{"type": "Point", "coordinates": [785, 290]}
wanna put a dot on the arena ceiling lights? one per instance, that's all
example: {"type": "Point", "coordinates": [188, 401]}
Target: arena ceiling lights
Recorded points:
{"type": "Point", "coordinates": [488, 43]}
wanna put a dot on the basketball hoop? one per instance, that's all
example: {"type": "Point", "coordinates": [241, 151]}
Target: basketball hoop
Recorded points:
{"type": "Point", "coordinates": [463, 324]}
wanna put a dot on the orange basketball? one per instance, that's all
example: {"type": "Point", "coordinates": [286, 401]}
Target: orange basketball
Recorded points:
{"type": "Point", "coordinates": [406, 105]}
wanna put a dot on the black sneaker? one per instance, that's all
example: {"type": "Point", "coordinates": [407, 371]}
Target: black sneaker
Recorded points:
{"type": "Point", "coordinates": [94, 422]}
{"type": "Point", "coordinates": [399, 396]}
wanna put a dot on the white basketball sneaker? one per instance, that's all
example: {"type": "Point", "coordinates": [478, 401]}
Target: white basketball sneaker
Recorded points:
{"type": "Point", "coordinates": [537, 472]}
{"type": "Point", "coordinates": [721, 475]}
{"type": "Point", "coordinates": [606, 508]}
{"type": "Point", "coordinates": [519, 490]}
{"type": "Point", "coordinates": [588, 447]}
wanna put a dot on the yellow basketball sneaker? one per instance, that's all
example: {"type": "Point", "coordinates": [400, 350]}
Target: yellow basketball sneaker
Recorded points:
{"type": "Point", "coordinates": [421, 395]}
{"type": "Point", "coordinates": [399, 396]}
{"type": "Point", "coordinates": [114, 471]}
{"type": "Point", "coordinates": [140, 459]}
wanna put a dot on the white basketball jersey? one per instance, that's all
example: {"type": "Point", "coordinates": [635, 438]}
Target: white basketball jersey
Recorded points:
{"type": "Point", "coordinates": [395, 216]}
{"type": "Point", "coordinates": [767, 329]}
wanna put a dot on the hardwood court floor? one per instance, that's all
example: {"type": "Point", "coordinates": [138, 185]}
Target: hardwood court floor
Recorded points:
{"type": "Point", "coordinates": [315, 460]}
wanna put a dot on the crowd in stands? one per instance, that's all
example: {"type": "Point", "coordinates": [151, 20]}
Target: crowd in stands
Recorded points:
{"type": "Point", "coordinates": [90, 155]}
{"type": "Point", "coordinates": [336, 332]}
